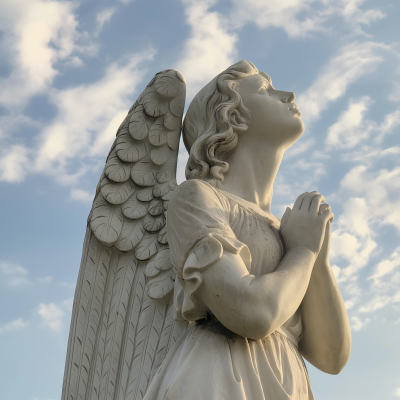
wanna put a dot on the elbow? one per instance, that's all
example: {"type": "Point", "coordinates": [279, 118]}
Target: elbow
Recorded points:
{"type": "Point", "coordinates": [336, 362]}
{"type": "Point", "coordinates": [260, 325]}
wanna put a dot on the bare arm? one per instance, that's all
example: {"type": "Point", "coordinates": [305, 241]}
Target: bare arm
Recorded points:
{"type": "Point", "coordinates": [326, 340]}
{"type": "Point", "coordinates": [256, 306]}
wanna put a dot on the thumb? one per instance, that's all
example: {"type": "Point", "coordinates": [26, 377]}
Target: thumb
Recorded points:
{"type": "Point", "coordinates": [285, 217]}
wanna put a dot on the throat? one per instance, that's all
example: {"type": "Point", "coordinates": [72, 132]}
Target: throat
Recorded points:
{"type": "Point", "coordinates": [251, 175]}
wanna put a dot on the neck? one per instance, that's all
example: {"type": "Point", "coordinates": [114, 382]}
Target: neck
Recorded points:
{"type": "Point", "coordinates": [252, 171]}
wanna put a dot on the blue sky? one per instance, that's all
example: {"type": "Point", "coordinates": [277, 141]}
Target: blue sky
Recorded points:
{"type": "Point", "coordinates": [70, 70]}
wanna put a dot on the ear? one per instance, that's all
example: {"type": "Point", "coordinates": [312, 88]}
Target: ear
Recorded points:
{"type": "Point", "coordinates": [238, 122]}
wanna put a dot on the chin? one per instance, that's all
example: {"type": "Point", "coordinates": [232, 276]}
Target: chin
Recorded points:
{"type": "Point", "coordinates": [297, 129]}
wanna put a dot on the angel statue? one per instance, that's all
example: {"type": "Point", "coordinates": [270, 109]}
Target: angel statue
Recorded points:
{"type": "Point", "coordinates": [196, 291]}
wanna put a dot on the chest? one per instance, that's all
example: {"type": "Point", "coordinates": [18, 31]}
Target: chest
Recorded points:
{"type": "Point", "coordinates": [261, 238]}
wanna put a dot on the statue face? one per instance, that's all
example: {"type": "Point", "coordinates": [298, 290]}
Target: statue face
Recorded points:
{"type": "Point", "coordinates": [274, 115]}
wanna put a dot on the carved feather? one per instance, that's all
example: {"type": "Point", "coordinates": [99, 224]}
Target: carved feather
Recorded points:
{"type": "Point", "coordinates": [117, 170]}
{"type": "Point", "coordinates": [128, 149]}
{"type": "Point", "coordinates": [134, 208]}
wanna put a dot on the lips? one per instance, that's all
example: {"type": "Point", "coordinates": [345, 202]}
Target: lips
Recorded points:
{"type": "Point", "coordinates": [295, 110]}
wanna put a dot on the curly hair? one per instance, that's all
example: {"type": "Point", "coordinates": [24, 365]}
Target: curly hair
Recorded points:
{"type": "Point", "coordinates": [207, 131]}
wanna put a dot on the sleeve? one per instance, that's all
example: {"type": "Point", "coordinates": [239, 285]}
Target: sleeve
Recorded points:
{"type": "Point", "coordinates": [198, 234]}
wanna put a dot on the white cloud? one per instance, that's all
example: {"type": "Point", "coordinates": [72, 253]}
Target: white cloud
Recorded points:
{"type": "Point", "coordinates": [14, 274]}
{"type": "Point", "coordinates": [352, 239]}
{"type": "Point", "coordinates": [14, 163]}
{"type": "Point", "coordinates": [380, 301]}
{"type": "Point", "coordinates": [391, 121]}
{"type": "Point", "coordinates": [353, 61]}
{"type": "Point", "coordinates": [350, 129]}
{"type": "Point", "coordinates": [357, 324]}
{"type": "Point", "coordinates": [397, 392]}
{"type": "Point", "coordinates": [368, 154]}
{"type": "Point", "coordinates": [37, 35]}
{"type": "Point", "coordinates": [82, 195]}
{"type": "Point", "coordinates": [104, 16]}
{"type": "Point", "coordinates": [386, 267]}
{"type": "Point", "coordinates": [381, 191]}
{"type": "Point", "coordinates": [210, 48]}
{"type": "Point", "coordinates": [87, 121]}
{"type": "Point", "coordinates": [51, 316]}
{"type": "Point", "coordinates": [14, 325]}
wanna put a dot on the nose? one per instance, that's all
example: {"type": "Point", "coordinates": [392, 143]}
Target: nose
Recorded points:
{"type": "Point", "coordinates": [288, 97]}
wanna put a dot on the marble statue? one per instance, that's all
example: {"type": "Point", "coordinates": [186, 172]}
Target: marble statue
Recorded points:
{"type": "Point", "coordinates": [198, 292]}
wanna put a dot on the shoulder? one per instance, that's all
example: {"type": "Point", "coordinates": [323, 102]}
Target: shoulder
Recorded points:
{"type": "Point", "coordinates": [194, 192]}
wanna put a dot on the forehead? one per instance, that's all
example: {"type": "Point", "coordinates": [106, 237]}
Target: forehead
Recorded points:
{"type": "Point", "coordinates": [256, 81]}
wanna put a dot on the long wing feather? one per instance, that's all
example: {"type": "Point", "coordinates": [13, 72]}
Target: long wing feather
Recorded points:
{"type": "Point", "coordinates": [122, 323]}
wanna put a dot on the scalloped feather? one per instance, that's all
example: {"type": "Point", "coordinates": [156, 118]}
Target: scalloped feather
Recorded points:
{"type": "Point", "coordinates": [106, 222]}
{"type": "Point", "coordinates": [162, 235]}
{"type": "Point", "coordinates": [173, 140]}
{"type": "Point", "coordinates": [161, 285]}
{"type": "Point", "coordinates": [176, 106]}
{"type": "Point", "coordinates": [162, 260]}
{"type": "Point", "coordinates": [116, 193]}
{"type": "Point", "coordinates": [131, 234]}
{"type": "Point", "coordinates": [160, 155]}
{"type": "Point", "coordinates": [156, 207]}
{"type": "Point", "coordinates": [161, 189]}
{"type": "Point", "coordinates": [153, 224]}
{"type": "Point", "coordinates": [154, 105]}
{"type": "Point", "coordinates": [158, 133]}
{"type": "Point", "coordinates": [147, 247]}
{"type": "Point", "coordinates": [172, 123]}
{"type": "Point", "coordinates": [117, 170]}
{"type": "Point", "coordinates": [167, 85]}
{"type": "Point", "coordinates": [145, 194]}
{"type": "Point", "coordinates": [151, 269]}
{"type": "Point", "coordinates": [139, 124]}
{"type": "Point", "coordinates": [128, 149]}
{"type": "Point", "coordinates": [144, 172]}
{"type": "Point", "coordinates": [133, 208]}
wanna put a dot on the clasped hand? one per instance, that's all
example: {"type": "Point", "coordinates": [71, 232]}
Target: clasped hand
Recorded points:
{"type": "Point", "coordinates": [306, 224]}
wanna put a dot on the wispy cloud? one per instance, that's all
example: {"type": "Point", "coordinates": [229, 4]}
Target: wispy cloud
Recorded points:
{"type": "Point", "coordinates": [103, 17]}
{"type": "Point", "coordinates": [14, 274]}
{"type": "Point", "coordinates": [52, 316]}
{"type": "Point", "coordinates": [14, 325]}
{"type": "Point", "coordinates": [357, 323]}
{"type": "Point", "coordinates": [353, 61]}
{"type": "Point", "coordinates": [301, 18]}
{"type": "Point", "coordinates": [14, 163]}
{"type": "Point", "coordinates": [82, 195]}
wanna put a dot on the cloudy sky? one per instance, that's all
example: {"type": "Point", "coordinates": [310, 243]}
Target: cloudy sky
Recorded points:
{"type": "Point", "coordinates": [70, 70]}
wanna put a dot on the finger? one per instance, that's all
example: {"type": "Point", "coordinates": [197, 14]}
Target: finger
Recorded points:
{"type": "Point", "coordinates": [327, 215]}
{"type": "Point", "coordinates": [285, 217]}
{"type": "Point", "coordinates": [316, 202]}
{"type": "Point", "coordinates": [305, 207]}
{"type": "Point", "coordinates": [323, 207]}
{"type": "Point", "coordinates": [299, 201]}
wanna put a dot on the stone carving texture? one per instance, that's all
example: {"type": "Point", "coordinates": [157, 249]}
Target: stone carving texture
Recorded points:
{"type": "Point", "coordinates": [148, 288]}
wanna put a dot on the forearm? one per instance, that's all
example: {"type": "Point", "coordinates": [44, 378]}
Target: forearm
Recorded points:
{"type": "Point", "coordinates": [256, 306]}
{"type": "Point", "coordinates": [326, 339]}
